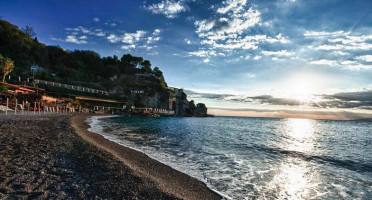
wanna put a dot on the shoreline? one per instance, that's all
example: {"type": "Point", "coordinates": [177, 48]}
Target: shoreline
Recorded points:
{"type": "Point", "coordinates": [166, 178]}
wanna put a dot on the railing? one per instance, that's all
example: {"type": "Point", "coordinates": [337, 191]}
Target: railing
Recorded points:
{"type": "Point", "coordinates": [72, 87]}
{"type": "Point", "coordinates": [153, 110]}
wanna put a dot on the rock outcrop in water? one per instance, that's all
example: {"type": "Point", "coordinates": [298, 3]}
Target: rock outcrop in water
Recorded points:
{"type": "Point", "coordinates": [183, 107]}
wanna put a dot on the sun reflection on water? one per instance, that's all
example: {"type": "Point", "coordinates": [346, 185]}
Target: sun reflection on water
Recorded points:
{"type": "Point", "coordinates": [300, 134]}
{"type": "Point", "coordinates": [294, 178]}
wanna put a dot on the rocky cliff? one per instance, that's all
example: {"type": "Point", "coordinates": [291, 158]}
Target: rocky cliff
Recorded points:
{"type": "Point", "coordinates": [183, 107]}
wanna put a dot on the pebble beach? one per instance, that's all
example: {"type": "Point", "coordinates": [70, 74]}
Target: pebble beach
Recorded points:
{"type": "Point", "coordinates": [43, 157]}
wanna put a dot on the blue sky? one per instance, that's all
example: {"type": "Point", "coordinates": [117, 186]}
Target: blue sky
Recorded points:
{"type": "Point", "coordinates": [235, 49]}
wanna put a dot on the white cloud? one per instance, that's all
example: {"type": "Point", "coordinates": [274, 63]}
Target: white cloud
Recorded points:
{"type": "Point", "coordinates": [324, 33]}
{"type": "Point", "coordinates": [206, 60]}
{"type": "Point", "coordinates": [249, 75]}
{"type": "Point", "coordinates": [228, 29]}
{"type": "Point", "coordinates": [79, 29]}
{"type": "Point", "coordinates": [367, 58]}
{"type": "Point", "coordinates": [128, 47]}
{"type": "Point", "coordinates": [138, 39]}
{"type": "Point", "coordinates": [152, 39]}
{"type": "Point", "coordinates": [340, 41]}
{"type": "Point", "coordinates": [96, 19]}
{"type": "Point", "coordinates": [187, 41]}
{"type": "Point", "coordinates": [130, 38]}
{"type": "Point", "coordinates": [113, 38]}
{"type": "Point", "coordinates": [169, 8]}
{"type": "Point", "coordinates": [324, 62]}
{"type": "Point", "coordinates": [203, 53]}
{"type": "Point", "coordinates": [274, 58]}
{"type": "Point", "coordinates": [156, 32]}
{"type": "Point", "coordinates": [84, 30]}
{"type": "Point", "coordinates": [83, 37]}
{"type": "Point", "coordinates": [257, 57]}
{"type": "Point", "coordinates": [231, 5]}
{"type": "Point", "coordinates": [341, 53]}
{"type": "Point", "coordinates": [359, 67]}
{"type": "Point", "coordinates": [277, 53]}
{"type": "Point", "coordinates": [99, 33]}
{"type": "Point", "coordinates": [74, 39]}
{"type": "Point", "coordinates": [348, 62]}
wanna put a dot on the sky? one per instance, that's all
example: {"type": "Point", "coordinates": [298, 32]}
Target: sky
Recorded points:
{"type": "Point", "coordinates": [230, 54]}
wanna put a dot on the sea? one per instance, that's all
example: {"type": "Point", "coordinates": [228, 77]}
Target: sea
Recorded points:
{"type": "Point", "coordinates": [256, 158]}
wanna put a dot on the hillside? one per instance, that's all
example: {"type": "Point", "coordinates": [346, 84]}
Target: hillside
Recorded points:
{"type": "Point", "coordinates": [83, 67]}
{"type": "Point", "coordinates": [129, 79]}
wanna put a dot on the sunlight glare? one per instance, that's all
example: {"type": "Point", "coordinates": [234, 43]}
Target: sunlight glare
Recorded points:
{"type": "Point", "coordinates": [301, 87]}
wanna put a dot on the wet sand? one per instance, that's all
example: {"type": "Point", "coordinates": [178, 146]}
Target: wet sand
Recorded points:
{"type": "Point", "coordinates": [44, 157]}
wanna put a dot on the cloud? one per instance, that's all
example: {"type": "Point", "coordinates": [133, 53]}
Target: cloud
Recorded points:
{"type": "Point", "coordinates": [235, 22]}
{"type": "Point", "coordinates": [324, 33]}
{"type": "Point", "coordinates": [99, 33]}
{"type": "Point", "coordinates": [96, 19]}
{"type": "Point", "coordinates": [226, 30]}
{"type": "Point", "coordinates": [87, 31]}
{"type": "Point", "coordinates": [366, 58]}
{"type": "Point", "coordinates": [113, 38]}
{"type": "Point", "coordinates": [156, 32]}
{"type": "Point", "coordinates": [131, 38]}
{"type": "Point", "coordinates": [203, 53]}
{"type": "Point", "coordinates": [152, 39]}
{"type": "Point", "coordinates": [277, 53]}
{"type": "Point", "coordinates": [139, 39]}
{"type": "Point", "coordinates": [341, 43]}
{"type": "Point", "coordinates": [348, 62]}
{"type": "Point", "coordinates": [358, 67]}
{"type": "Point", "coordinates": [341, 53]}
{"type": "Point", "coordinates": [324, 62]}
{"type": "Point", "coordinates": [169, 8]}
{"type": "Point", "coordinates": [187, 41]}
{"type": "Point", "coordinates": [257, 57]}
{"type": "Point", "coordinates": [361, 99]}
{"type": "Point", "coordinates": [357, 99]}
{"type": "Point", "coordinates": [79, 29]}
{"type": "Point", "coordinates": [128, 47]}
{"type": "Point", "coordinates": [128, 38]}
{"type": "Point", "coordinates": [206, 60]}
{"type": "Point", "coordinates": [231, 5]}
{"type": "Point", "coordinates": [250, 75]}
{"type": "Point", "coordinates": [230, 28]}
{"type": "Point", "coordinates": [74, 39]}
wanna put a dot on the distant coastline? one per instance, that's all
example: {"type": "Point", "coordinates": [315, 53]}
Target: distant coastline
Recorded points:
{"type": "Point", "coordinates": [321, 115]}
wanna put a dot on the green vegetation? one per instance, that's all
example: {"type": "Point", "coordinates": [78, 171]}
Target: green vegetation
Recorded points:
{"type": "Point", "coordinates": [3, 89]}
{"type": "Point", "coordinates": [58, 64]}
{"type": "Point", "coordinates": [6, 66]}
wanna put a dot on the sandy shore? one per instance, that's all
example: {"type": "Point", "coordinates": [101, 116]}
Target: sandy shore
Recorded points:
{"type": "Point", "coordinates": [43, 157]}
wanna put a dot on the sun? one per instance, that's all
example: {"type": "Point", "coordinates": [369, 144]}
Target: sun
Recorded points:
{"type": "Point", "coordinates": [301, 90]}
{"type": "Point", "coordinates": [301, 87]}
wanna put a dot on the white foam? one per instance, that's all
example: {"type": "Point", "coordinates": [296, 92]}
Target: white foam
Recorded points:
{"type": "Point", "coordinates": [97, 126]}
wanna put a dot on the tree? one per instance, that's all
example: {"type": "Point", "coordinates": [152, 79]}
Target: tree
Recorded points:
{"type": "Point", "coordinates": [157, 72]}
{"type": "Point", "coordinates": [6, 66]}
{"type": "Point", "coordinates": [146, 65]}
{"type": "Point", "coordinates": [29, 31]}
